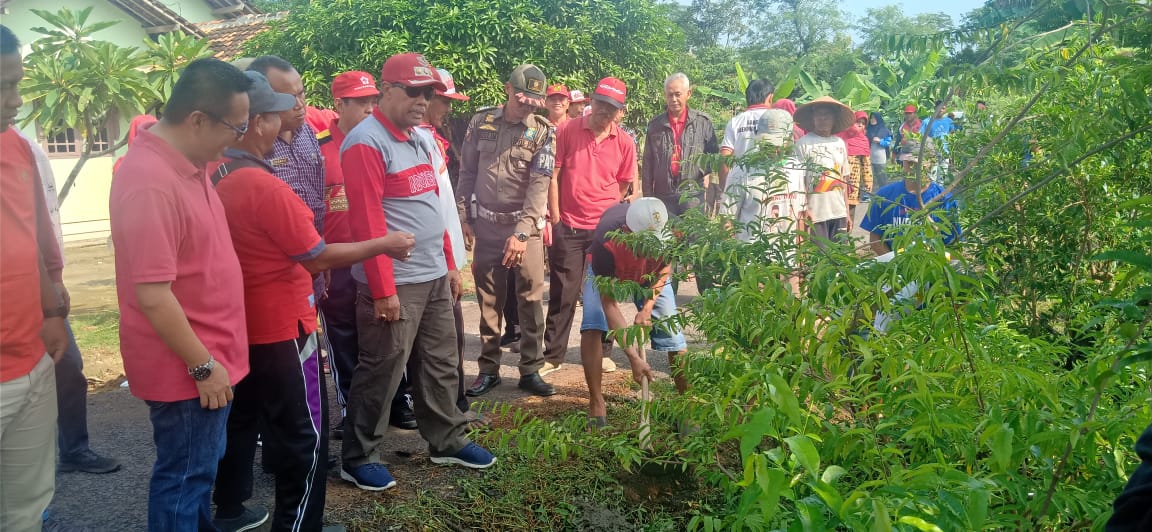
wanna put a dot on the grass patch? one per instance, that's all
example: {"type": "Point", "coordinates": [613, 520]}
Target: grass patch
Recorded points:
{"type": "Point", "coordinates": [98, 330]}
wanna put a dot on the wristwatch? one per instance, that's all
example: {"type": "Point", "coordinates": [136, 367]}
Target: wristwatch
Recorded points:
{"type": "Point", "coordinates": [58, 312]}
{"type": "Point", "coordinates": [523, 237]}
{"type": "Point", "coordinates": [203, 371]}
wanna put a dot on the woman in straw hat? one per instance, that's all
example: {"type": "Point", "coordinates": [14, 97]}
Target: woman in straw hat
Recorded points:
{"type": "Point", "coordinates": [826, 158]}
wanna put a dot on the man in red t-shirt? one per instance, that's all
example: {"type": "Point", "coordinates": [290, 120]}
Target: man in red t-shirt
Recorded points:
{"type": "Point", "coordinates": [32, 330]}
{"type": "Point", "coordinates": [595, 165]}
{"type": "Point", "coordinates": [355, 95]}
{"type": "Point", "coordinates": [285, 396]}
{"type": "Point", "coordinates": [182, 333]}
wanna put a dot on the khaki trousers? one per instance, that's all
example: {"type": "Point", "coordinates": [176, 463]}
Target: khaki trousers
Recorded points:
{"type": "Point", "coordinates": [27, 447]}
{"type": "Point", "coordinates": [492, 292]}
{"type": "Point", "coordinates": [426, 327]}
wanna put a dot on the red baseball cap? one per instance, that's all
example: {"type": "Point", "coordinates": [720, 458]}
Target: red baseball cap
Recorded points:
{"type": "Point", "coordinates": [910, 109]}
{"type": "Point", "coordinates": [354, 84]}
{"type": "Point", "coordinates": [861, 115]}
{"type": "Point", "coordinates": [450, 91]}
{"type": "Point", "coordinates": [611, 91]}
{"type": "Point", "coordinates": [558, 89]}
{"type": "Point", "coordinates": [577, 96]}
{"type": "Point", "coordinates": [411, 70]}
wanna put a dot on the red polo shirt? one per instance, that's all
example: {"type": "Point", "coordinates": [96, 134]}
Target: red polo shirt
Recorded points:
{"type": "Point", "coordinates": [591, 172]}
{"type": "Point", "coordinates": [21, 214]}
{"type": "Point", "coordinates": [168, 226]}
{"type": "Point", "coordinates": [335, 201]}
{"type": "Point", "coordinates": [272, 232]}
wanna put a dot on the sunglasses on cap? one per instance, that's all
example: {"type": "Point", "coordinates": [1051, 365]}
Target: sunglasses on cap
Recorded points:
{"type": "Point", "coordinates": [416, 92]}
{"type": "Point", "coordinates": [240, 130]}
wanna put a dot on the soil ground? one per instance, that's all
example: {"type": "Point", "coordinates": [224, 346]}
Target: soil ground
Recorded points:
{"type": "Point", "coordinates": [119, 425]}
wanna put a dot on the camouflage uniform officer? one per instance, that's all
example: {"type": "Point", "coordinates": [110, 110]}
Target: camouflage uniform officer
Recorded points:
{"type": "Point", "coordinates": [507, 161]}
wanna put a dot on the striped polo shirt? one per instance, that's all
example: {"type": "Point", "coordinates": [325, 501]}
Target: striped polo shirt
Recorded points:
{"type": "Point", "coordinates": [391, 186]}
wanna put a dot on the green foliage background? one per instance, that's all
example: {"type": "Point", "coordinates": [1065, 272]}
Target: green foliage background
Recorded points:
{"type": "Point", "coordinates": [481, 41]}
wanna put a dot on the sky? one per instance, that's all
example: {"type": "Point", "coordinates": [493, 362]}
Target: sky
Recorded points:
{"type": "Point", "coordinates": [953, 8]}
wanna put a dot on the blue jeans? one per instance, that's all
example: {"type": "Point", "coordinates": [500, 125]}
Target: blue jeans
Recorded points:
{"type": "Point", "coordinates": [189, 443]}
{"type": "Point", "coordinates": [72, 396]}
{"type": "Point", "coordinates": [662, 339]}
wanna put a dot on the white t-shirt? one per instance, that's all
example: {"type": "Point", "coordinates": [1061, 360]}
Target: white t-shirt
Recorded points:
{"type": "Point", "coordinates": [827, 175]}
{"type": "Point", "coordinates": [775, 198]}
{"type": "Point", "coordinates": [740, 137]}
{"type": "Point", "coordinates": [447, 198]}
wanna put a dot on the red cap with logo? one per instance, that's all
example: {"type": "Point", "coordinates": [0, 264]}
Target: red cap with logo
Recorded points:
{"type": "Point", "coordinates": [910, 109]}
{"type": "Point", "coordinates": [577, 96]}
{"type": "Point", "coordinates": [411, 70]}
{"type": "Point", "coordinates": [558, 89]}
{"type": "Point", "coordinates": [354, 84]}
{"type": "Point", "coordinates": [450, 91]}
{"type": "Point", "coordinates": [611, 91]}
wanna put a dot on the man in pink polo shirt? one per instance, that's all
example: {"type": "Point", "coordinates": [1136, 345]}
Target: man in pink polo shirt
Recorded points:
{"type": "Point", "coordinates": [182, 328]}
{"type": "Point", "coordinates": [595, 165]}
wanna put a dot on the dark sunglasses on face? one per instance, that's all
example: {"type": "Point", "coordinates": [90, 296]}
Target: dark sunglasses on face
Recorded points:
{"type": "Point", "coordinates": [240, 130]}
{"type": "Point", "coordinates": [416, 92]}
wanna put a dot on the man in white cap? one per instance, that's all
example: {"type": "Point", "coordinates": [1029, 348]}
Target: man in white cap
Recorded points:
{"type": "Point", "coordinates": [615, 259]}
{"type": "Point", "coordinates": [577, 103]}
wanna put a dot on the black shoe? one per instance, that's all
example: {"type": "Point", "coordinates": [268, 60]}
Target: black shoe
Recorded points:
{"type": "Point", "coordinates": [88, 462]}
{"type": "Point", "coordinates": [403, 417]}
{"type": "Point", "coordinates": [483, 384]}
{"type": "Point", "coordinates": [249, 519]}
{"type": "Point", "coordinates": [536, 386]}
{"type": "Point", "coordinates": [510, 337]}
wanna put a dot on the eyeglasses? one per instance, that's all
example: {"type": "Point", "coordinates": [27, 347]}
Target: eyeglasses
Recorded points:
{"type": "Point", "coordinates": [416, 92]}
{"type": "Point", "coordinates": [240, 130]}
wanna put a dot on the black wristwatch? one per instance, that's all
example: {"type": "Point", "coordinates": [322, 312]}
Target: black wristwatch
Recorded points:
{"type": "Point", "coordinates": [523, 237]}
{"type": "Point", "coordinates": [58, 312]}
{"type": "Point", "coordinates": [203, 371]}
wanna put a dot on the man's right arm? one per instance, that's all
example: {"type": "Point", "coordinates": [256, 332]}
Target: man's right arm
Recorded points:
{"type": "Point", "coordinates": [364, 173]}
{"type": "Point", "coordinates": [554, 186]}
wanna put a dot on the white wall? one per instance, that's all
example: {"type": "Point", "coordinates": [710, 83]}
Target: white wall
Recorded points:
{"type": "Point", "coordinates": [84, 214]}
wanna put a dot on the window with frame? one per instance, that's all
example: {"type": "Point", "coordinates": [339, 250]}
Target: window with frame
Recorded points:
{"type": "Point", "coordinates": [68, 142]}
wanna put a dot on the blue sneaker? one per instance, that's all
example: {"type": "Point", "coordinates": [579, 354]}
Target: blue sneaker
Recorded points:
{"type": "Point", "coordinates": [371, 477]}
{"type": "Point", "coordinates": [472, 455]}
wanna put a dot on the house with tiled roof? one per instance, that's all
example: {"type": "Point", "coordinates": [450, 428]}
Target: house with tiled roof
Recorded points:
{"type": "Point", "coordinates": [227, 37]}
{"type": "Point", "coordinates": [225, 23]}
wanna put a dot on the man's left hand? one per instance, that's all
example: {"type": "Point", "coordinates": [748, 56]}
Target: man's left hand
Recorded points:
{"type": "Point", "coordinates": [514, 252]}
{"type": "Point", "coordinates": [456, 284]}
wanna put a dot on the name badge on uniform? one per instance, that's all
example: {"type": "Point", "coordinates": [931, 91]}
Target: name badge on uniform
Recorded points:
{"type": "Point", "coordinates": [486, 135]}
{"type": "Point", "coordinates": [279, 161]}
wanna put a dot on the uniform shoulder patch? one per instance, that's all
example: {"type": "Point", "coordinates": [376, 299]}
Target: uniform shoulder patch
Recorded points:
{"type": "Point", "coordinates": [324, 137]}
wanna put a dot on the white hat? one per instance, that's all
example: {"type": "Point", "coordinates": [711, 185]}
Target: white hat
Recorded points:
{"type": "Point", "coordinates": [647, 214]}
